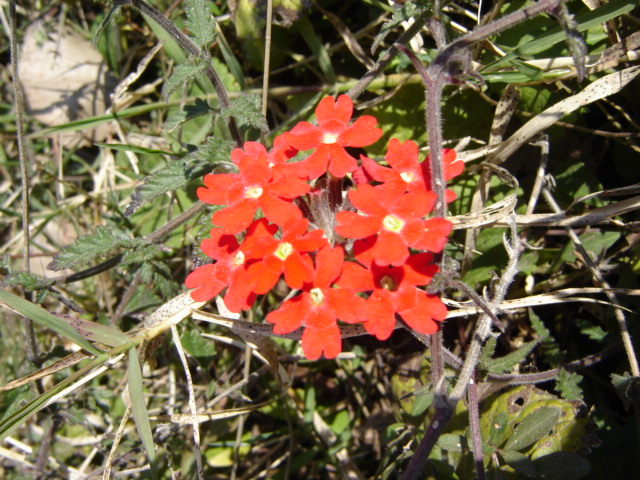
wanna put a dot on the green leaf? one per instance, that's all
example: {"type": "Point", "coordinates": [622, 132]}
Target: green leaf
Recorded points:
{"type": "Point", "coordinates": [405, 12]}
{"type": "Point", "coordinates": [196, 346]}
{"type": "Point", "coordinates": [139, 408]}
{"type": "Point", "coordinates": [453, 442]}
{"type": "Point", "coordinates": [625, 386]}
{"type": "Point", "coordinates": [215, 152]}
{"type": "Point", "coordinates": [519, 462]}
{"type": "Point", "coordinates": [45, 319]}
{"type": "Point", "coordinates": [305, 28]}
{"type": "Point", "coordinates": [246, 109]}
{"type": "Point", "coordinates": [498, 428]}
{"type": "Point", "coordinates": [534, 426]}
{"type": "Point", "coordinates": [561, 466]}
{"type": "Point", "coordinates": [86, 249]}
{"type": "Point", "coordinates": [132, 148]}
{"type": "Point", "coordinates": [185, 113]}
{"type": "Point", "coordinates": [200, 23]}
{"type": "Point", "coordinates": [28, 281]}
{"type": "Point", "coordinates": [568, 385]}
{"type": "Point", "coordinates": [506, 363]}
{"type": "Point", "coordinates": [182, 74]}
{"type": "Point", "coordinates": [159, 183]}
{"type": "Point", "coordinates": [550, 348]}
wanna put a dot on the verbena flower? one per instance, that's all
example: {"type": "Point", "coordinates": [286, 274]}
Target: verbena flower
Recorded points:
{"type": "Point", "coordinates": [288, 255]}
{"type": "Point", "coordinates": [319, 307]}
{"type": "Point", "coordinates": [258, 184]}
{"type": "Point", "coordinates": [330, 138]}
{"type": "Point", "coordinates": [394, 291]}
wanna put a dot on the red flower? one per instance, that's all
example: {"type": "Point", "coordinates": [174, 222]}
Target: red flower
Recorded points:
{"type": "Point", "coordinates": [256, 185]}
{"type": "Point", "coordinates": [318, 307]}
{"type": "Point", "coordinates": [329, 138]}
{"type": "Point", "coordinates": [392, 214]}
{"type": "Point", "coordinates": [394, 290]}
{"type": "Point", "coordinates": [405, 169]}
{"type": "Point", "coordinates": [286, 255]}
{"type": "Point", "coordinates": [228, 270]}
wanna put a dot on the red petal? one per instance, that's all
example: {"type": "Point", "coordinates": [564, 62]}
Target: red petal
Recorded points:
{"type": "Point", "coordinates": [390, 249]}
{"type": "Point", "coordinates": [403, 156]}
{"type": "Point", "coordinates": [376, 171]}
{"type": "Point", "coordinates": [419, 269]}
{"type": "Point", "coordinates": [279, 211]}
{"type": "Point", "coordinates": [298, 270]}
{"type": "Point", "coordinates": [355, 278]}
{"type": "Point", "coordinates": [361, 133]}
{"type": "Point", "coordinates": [379, 315]}
{"type": "Point", "coordinates": [345, 304]}
{"type": "Point", "coordinates": [340, 162]}
{"type": "Point", "coordinates": [367, 199]}
{"type": "Point", "coordinates": [310, 242]}
{"type": "Point", "coordinates": [218, 187]}
{"type": "Point", "coordinates": [290, 315]}
{"type": "Point", "coordinates": [264, 275]}
{"type": "Point", "coordinates": [452, 167]}
{"type": "Point", "coordinates": [415, 204]}
{"type": "Point", "coordinates": [352, 225]}
{"type": "Point", "coordinates": [204, 280]}
{"type": "Point", "coordinates": [427, 310]}
{"type": "Point", "coordinates": [220, 245]}
{"type": "Point", "coordinates": [436, 234]}
{"type": "Point", "coordinates": [304, 136]}
{"type": "Point", "coordinates": [288, 187]}
{"type": "Point", "coordinates": [316, 342]}
{"type": "Point", "coordinates": [236, 218]}
{"type": "Point", "coordinates": [315, 165]}
{"type": "Point", "coordinates": [329, 262]}
{"type": "Point", "coordinates": [329, 109]}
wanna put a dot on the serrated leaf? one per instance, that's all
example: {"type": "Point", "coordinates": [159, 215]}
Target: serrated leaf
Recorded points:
{"type": "Point", "coordinates": [506, 363]}
{"type": "Point", "coordinates": [186, 113]}
{"type": "Point", "coordinates": [561, 466]}
{"type": "Point", "coordinates": [533, 427]}
{"type": "Point", "coordinates": [159, 183]}
{"type": "Point", "coordinates": [182, 73]}
{"type": "Point", "coordinates": [132, 148]}
{"type": "Point", "coordinates": [519, 462]}
{"type": "Point", "coordinates": [196, 346]}
{"type": "Point", "coordinates": [625, 386]}
{"type": "Point", "coordinates": [28, 281]}
{"type": "Point", "coordinates": [144, 254]}
{"type": "Point", "coordinates": [214, 151]}
{"type": "Point", "coordinates": [86, 249]}
{"type": "Point", "coordinates": [401, 14]}
{"type": "Point", "coordinates": [246, 109]}
{"type": "Point", "coordinates": [568, 385]}
{"type": "Point", "coordinates": [200, 23]}
{"type": "Point", "coordinates": [550, 348]}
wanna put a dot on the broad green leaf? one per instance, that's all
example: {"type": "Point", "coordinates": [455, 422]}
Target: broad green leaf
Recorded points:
{"type": "Point", "coordinates": [519, 462]}
{"type": "Point", "coordinates": [453, 442]}
{"type": "Point", "coordinates": [86, 249]}
{"type": "Point", "coordinates": [498, 429]}
{"type": "Point", "coordinates": [214, 152]}
{"type": "Point", "coordinates": [534, 426]}
{"type": "Point", "coordinates": [309, 403]}
{"type": "Point", "coordinates": [196, 346]}
{"type": "Point", "coordinates": [561, 466]}
{"type": "Point", "coordinates": [182, 74]}
{"type": "Point", "coordinates": [139, 408]}
{"type": "Point", "coordinates": [45, 319]}
{"type": "Point", "coordinates": [340, 422]}
{"type": "Point", "coordinates": [28, 281]}
{"type": "Point", "coordinates": [200, 23]}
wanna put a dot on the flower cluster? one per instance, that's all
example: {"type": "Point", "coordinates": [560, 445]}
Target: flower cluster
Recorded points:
{"type": "Point", "coordinates": [363, 256]}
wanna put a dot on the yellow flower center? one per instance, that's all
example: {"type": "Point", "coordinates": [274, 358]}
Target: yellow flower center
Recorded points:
{"type": "Point", "coordinates": [317, 297]}
{"type": "Point", "coordinates": [329, 138]}
{"type": "Point", "coordinates": [238, 259]}
{"type": "Point", "coordinates": [284, 250]}
{"type": "Point", "coordinates": [253, 192]}
{"type": "Point", "coordinates": [407, 177]}
{"type": "Point", "coordinates": [392, 223]}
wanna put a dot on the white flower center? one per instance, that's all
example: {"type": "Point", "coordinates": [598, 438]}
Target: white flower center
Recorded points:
{"type": "Point", "coordinates": [238, 259]}
{"type": "Point", "coordinates": [407, 177]}
{"type": "Point", "coordinates": [392, 223]}
{"type": "Point", "coordinates": [329, 138]}
{"type": "Point", "coordinates": [253, 192]}
{"type": "Point", "coordinates": [317, 297]}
